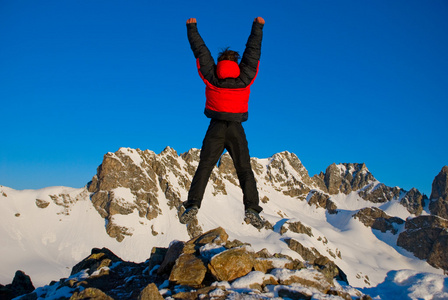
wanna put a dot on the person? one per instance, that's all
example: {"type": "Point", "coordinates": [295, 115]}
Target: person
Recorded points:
{"type": "Point", "coordinates": [227, 94]}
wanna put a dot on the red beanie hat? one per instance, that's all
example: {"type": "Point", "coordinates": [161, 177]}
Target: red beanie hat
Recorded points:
{"type": "Point", "coordinates": [227, 69]}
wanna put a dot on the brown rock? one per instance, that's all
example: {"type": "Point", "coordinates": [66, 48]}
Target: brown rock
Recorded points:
{"type": "Point", "coordinates": [414, 201]}
{"type": "Point", "coordinates": [188, 270]}
{"type": "Point", "coordinates": [216, 236]}
{"type": "Point", "coordinates": [439, 194]}
{"type": "Point", "coordinates": [231, 264]}
{"type": "Point", "coordinates": [440, 185]}
{"type": "Point", "coordinates": [322, 200]}
{"type": "Point", "coordinates": [307, 254]}
{"type": "Point", "coordinates": [296, 227]}
{"type": "Point", "coordinates": [150, 292]}
{"type": "Point", "coordinates": [174, 251]}
{"type": "Point", "coordinates": [98, 259]}
{"type": "Point", "coordinates": [379, 193]}
{"type": "Point", "coordinates": [427, 238]}
{"type": "Point", "coordinates": [377, 219]}
{"type": "Point", "coordinates": [42, 203]}
{"type": "Point", "coordinates": [90, 294]}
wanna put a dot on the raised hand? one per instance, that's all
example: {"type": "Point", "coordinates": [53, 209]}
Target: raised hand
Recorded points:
{"type": "Point", "coordinates": [259, 20]}
{"type": "Point", "coordinates": [193, 20]}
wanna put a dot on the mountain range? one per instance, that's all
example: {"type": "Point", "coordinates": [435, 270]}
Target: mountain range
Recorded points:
{"type": "Point", "coordinates": [371, 232]}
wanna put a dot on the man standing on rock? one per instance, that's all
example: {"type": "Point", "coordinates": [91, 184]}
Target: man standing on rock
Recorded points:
{"type": "Point", "coordinates": [227, 96]}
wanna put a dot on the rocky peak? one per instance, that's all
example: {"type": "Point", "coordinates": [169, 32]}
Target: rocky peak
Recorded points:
{"type": "Point", "coordinates": [440, 185]}
{"type": "Point", "coordinates": [439, 194]}
{"type": "Point", "coordinates": [286, 173]}
{"type": "Point", "coordinates": [345, 178]}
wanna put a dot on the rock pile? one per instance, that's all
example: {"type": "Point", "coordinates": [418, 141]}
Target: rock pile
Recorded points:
{"type": "Point", "coordinates": [209, 266]}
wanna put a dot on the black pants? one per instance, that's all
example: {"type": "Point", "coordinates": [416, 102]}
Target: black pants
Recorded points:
{"type": "Point", "coordinates": [231, 136]}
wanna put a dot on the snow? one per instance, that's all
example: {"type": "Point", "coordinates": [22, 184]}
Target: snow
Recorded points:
{"type": "Point", "coordinates": [254, 277]}
{"type": "Point", "coordinates": [47, 242]}
{"type": "Point", "coordinates": [410, 284]}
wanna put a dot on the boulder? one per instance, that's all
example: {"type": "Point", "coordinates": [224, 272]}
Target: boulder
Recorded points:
{"type": "Point", "coordinates": [232, 264]}
{"type": "Point", "coordinates": [188, 270]}
{"type": "Point", "coordinates": [150, 292]}
{"type": "Point", "coordinates": [90, 294]}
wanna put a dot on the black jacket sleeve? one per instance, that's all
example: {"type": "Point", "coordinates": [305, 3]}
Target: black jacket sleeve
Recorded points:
{"type": "Point", "coordinates": [251, 56]}
{"type": "Point", "coordinates": [201, 52]}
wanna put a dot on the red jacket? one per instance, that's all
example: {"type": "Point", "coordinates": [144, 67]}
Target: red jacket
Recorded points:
{"type": "Point", "coordinates": [227, 83]}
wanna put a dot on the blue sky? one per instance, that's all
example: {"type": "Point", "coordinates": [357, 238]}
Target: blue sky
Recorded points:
{"type": "Point", "coordinates": [339, 81]}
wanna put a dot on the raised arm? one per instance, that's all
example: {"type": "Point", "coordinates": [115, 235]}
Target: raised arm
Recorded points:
{"type": "Point", "coordinates": [200, 50]}
{"type": "Point", "coordinates": [252, 53]}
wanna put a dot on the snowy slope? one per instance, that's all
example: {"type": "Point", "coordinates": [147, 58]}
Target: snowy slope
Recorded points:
{"type": "Point", "coordinates": [46, 242]}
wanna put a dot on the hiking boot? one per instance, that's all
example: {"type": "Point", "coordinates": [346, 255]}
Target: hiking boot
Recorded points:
{"type": "Point", "coordinates": [189, 214]}
{"type": "Point", "coordinates": [254, 218]}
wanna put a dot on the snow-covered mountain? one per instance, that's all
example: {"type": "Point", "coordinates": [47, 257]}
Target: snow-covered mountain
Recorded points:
{"type": "Point", "coordinates": [130, 206]}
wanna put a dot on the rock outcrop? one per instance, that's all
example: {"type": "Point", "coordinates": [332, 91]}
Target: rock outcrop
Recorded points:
{"type": "Point", "coordinates": [344, 178]}
{"type": "Point", "coordinates": [427, 238]}
{"type": "Point", "coordinates": [378, 219]}
{"type": "Point", "coordinates": [206, 267]}
{"type": "Point", "coordinates": [21, 284]}
{"type": "Point", "coordinates": [439, 194]}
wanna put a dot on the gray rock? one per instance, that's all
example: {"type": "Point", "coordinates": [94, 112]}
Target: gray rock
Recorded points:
{"type": "Point", "coordinates": [427, 238]}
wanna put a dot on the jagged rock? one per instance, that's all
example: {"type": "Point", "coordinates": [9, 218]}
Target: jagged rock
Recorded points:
{"type": "Point", "coordinates": [287, 174]}
{"type": "Point", "coordinates": [66, 201]}
{"type": "Point", "coordinates": [329, 269]}
{"type": "Point", "coordinates": [216, 236]}
{"type": "Point", "coordinates": [231, 264]}
{"type": "Point", "coordinates": [296, 227]}
{"type": "Point", "coordinates": [414, 201]}
{"type": "Point", "coordinates": [379, 193]}
{"type": "Point", "coordinates": [427, 238]}
{"type": "Point", "coordinates": [307, 254]}
{"type": "Point", "coordinates": [378, 219]}
{"type": "Point", "coordinates": [346, 178]}
{"type": "Point", "coordinates": [266, 265]}
{"type": "Point", "coordinates": [98, 259]}
{"type": "Point", "coordinates": [174, 251]}
{"type": "Point", "coordinates": [322, 200]}
{"type": "Point", "coordinates": [188, 270]}
{"type": "Point", "coordinates": [440, 185]}
{"type": "Point", "coordinates": [90, 294]}
{"type": "Point", "coordinates": [150, 292]}
{"type": "Point", "coordinates": [42, 203]}
{"type": "Point", "coordinates": [131, 179]}
{"type": "Point", "coordinates": [21, 285]}
{"type": "Point", "coordinates": [439, 194]}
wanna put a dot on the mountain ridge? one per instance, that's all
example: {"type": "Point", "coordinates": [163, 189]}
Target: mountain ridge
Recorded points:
{"type": "Point", "coordinates": [135, 194]}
